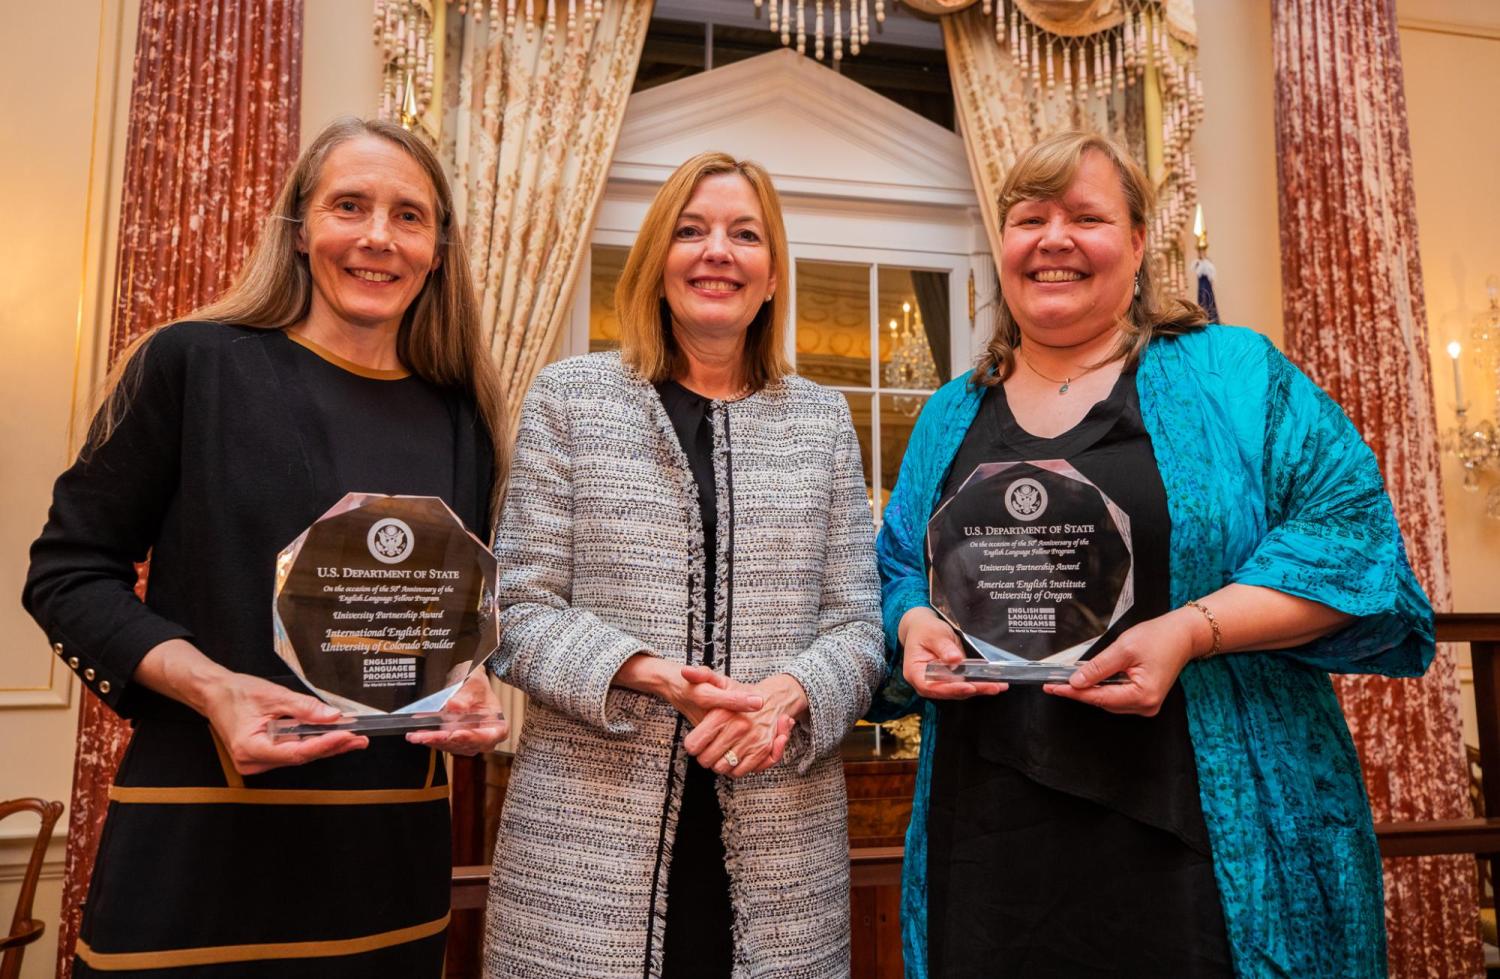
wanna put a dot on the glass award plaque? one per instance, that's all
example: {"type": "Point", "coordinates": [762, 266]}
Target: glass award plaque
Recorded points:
{"type": "Point", "coordinates": [383, 608]}
{"type": "Point", "coordinates": [1031, 564]}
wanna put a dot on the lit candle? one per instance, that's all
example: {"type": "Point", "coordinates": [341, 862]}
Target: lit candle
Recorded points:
{"type": "Point", "coordinates": [1454, 349]}
{"type": "Point", "coordinates": [905, 317]}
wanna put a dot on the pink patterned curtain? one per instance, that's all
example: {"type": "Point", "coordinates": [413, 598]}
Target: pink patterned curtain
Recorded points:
{"type": "Point", "coordinates": [214, 111]}
{"type": "Point", "coordinates": [1356, 322]}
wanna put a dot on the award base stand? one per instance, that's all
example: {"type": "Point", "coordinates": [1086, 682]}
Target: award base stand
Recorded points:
{"type": "Point", "coordinates": [986, 671]}
{"type": "Point", "coordinates": [375, 725]}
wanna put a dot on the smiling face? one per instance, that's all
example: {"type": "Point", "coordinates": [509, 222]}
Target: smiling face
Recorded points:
{"type": "Point", "coordinates": [370, 235]}
{"type": "Point", "coordinates": [1067, 265]}
{"type": "Point", "coordinates": [718, 268]}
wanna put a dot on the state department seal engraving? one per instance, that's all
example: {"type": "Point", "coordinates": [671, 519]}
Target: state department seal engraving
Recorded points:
{"type": "Point", "coordinates": [1025, 499]}
{"type": "Point", "coordinates": [390, 540]}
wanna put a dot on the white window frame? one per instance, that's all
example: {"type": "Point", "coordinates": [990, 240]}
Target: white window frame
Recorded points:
{"type": "Point", "coordinates": [959, 335]}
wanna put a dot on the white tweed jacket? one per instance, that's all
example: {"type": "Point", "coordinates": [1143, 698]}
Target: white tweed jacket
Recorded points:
{"type": "Point", "coordinates": [601, 556]}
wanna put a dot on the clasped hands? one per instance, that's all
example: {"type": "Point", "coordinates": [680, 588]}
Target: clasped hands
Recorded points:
{"type": "Point", "coordinates": [738, 728]}
{"type": "Point", "coordinates": [1150, 654]}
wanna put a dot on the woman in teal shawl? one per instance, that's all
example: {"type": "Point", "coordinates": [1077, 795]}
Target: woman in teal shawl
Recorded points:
{"type": "Point", "coordinates": [1284, 563]}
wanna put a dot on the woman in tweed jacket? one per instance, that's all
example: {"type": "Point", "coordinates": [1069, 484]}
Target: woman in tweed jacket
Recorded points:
{"type": "Point", "coordinates": [669, 718]}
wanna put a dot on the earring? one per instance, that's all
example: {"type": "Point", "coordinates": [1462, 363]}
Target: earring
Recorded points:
{"type": "Point", "coordinates": [1138, 285]}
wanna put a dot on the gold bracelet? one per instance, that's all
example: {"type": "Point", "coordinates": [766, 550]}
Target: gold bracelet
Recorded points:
{"type": "Point", "coordinates": [1213, 623]}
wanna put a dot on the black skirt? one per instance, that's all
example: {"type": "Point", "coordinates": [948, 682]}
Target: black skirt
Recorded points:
{"type": "Point", "coordinates": [334, 868]}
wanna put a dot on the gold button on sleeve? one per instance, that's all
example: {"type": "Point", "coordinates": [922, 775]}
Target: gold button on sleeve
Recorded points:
{"type": "Point", "coordinates": [104, 686]}
{"type": "Point", "coordinates": [88, 674]}
{"type": "Point", "coordinates": [57, 648]}
{"type": "Point", "coordinates": [72, 662]}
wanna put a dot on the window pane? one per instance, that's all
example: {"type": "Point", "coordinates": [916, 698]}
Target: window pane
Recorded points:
{"type": "Point", "coordinates": [859, 407]}
{"type": "Point", "coordinates": [898, 413]}
{"type": "Point", "coordinates": [604, 326]}
{"type": "Point", "coordinates": [673, 49]}
{"type": "Point", "coordinates": [915, 77]}
{"type": "Point", "coordinates": [833, 323]}
{"type": "Point", "coordinates": [914, 328]}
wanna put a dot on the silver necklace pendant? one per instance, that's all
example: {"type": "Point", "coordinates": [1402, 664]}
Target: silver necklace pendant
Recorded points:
{"type": "Point", "coordinates": [1064, 388]}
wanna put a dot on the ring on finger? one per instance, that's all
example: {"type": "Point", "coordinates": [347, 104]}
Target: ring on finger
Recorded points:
{"type": "Point", "coordinates": [732, 758]}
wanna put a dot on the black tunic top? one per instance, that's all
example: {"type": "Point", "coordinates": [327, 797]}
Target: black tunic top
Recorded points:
{"type": "Point", "coordinates": [235, 440]}
{"type": "Point", "coordinates": [697, 941]}
{"type": "Point", "coordinates": [1066, 840]}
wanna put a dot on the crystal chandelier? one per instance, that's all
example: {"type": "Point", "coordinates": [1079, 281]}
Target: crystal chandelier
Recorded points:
{"type": "Point", "coordinates": [911, 365]}
{"type": "Point", "coordinates": [1476, 444]}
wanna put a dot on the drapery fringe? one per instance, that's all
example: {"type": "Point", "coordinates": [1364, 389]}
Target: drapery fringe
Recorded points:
{"type": "Point", "coordinates": [411, 35]}
{"type": "Point", "coordinates": [1135, 79]}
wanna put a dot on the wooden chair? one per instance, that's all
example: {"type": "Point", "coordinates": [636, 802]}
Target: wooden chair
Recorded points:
{"type": "Point", "coordinates": [24, 929]}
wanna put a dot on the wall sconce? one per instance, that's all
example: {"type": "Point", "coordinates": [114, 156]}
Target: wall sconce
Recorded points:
{"type": "Point", "coordinates": [1476, 444]}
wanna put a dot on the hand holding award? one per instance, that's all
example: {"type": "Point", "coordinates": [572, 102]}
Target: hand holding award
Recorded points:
{"type": "Point", "coordinates": [385, 608]}
{"type": "Point", "coordinates": [1031, 564]}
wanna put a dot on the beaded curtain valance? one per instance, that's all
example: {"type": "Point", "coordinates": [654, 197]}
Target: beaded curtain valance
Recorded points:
{"type": "Point", "coordinates": [1023, 69]}
{"type": "Point", "coordinates": [1125, 67]}
{"type": "Point", "coordinates": [410, 35]}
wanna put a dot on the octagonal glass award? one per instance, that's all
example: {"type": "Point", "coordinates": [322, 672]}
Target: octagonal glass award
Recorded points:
{"type": "Point", "coordinates": [383, 608]}
{"type": "Point", "coordinates": [1031, 564]}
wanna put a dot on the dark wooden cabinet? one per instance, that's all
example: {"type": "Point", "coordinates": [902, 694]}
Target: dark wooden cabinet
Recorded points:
{"type": "Point", "coordinates": [879, 782]}
{"type": "Point", "coordinates": [880, 785]}
{"type": "Point", "coordinates": [880, 778]}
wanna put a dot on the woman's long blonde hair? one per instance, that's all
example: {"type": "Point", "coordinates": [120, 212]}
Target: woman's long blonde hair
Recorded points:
{"type": "Point", "coordinates": [1045, 172]}
{"type": "Point", "coordinates": [440, 339]}
{"type": "Point", "coordinates": [646, 341]}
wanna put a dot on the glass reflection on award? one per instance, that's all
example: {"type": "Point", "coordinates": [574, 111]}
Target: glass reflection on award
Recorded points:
{"type": "Point", "coordinates": [383, 608]}
{"type": "Point", "coordinates": [1031, 564]}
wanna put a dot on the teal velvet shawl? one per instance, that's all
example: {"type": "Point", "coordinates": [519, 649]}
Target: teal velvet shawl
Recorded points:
{"type": "Point", "coordinates": [1268, 483]}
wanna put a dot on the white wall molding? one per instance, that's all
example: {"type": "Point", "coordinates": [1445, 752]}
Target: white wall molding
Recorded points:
{"type": "Point", "coordinates": [1483, 32]}
{"type": "Point", "coordinates": [15, 849]}
{"type": "Point", "coordinates": [55, 691]}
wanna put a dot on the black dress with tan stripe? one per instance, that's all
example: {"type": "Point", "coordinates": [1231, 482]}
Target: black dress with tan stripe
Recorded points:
{"type": "Point", "coordinates": [234, 442]}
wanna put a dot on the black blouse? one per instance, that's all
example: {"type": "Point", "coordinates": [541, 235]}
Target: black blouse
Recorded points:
{"type": "Point", "coordinates": [1046, 811]}
{"type": "Point", "coordinates": [235, 440]}
{"type": "Point", "coordinates": [697, 940]}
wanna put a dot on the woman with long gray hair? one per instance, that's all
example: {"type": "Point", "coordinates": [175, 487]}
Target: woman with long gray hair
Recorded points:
{"type": "Point", "coordinates": [347, 357]}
